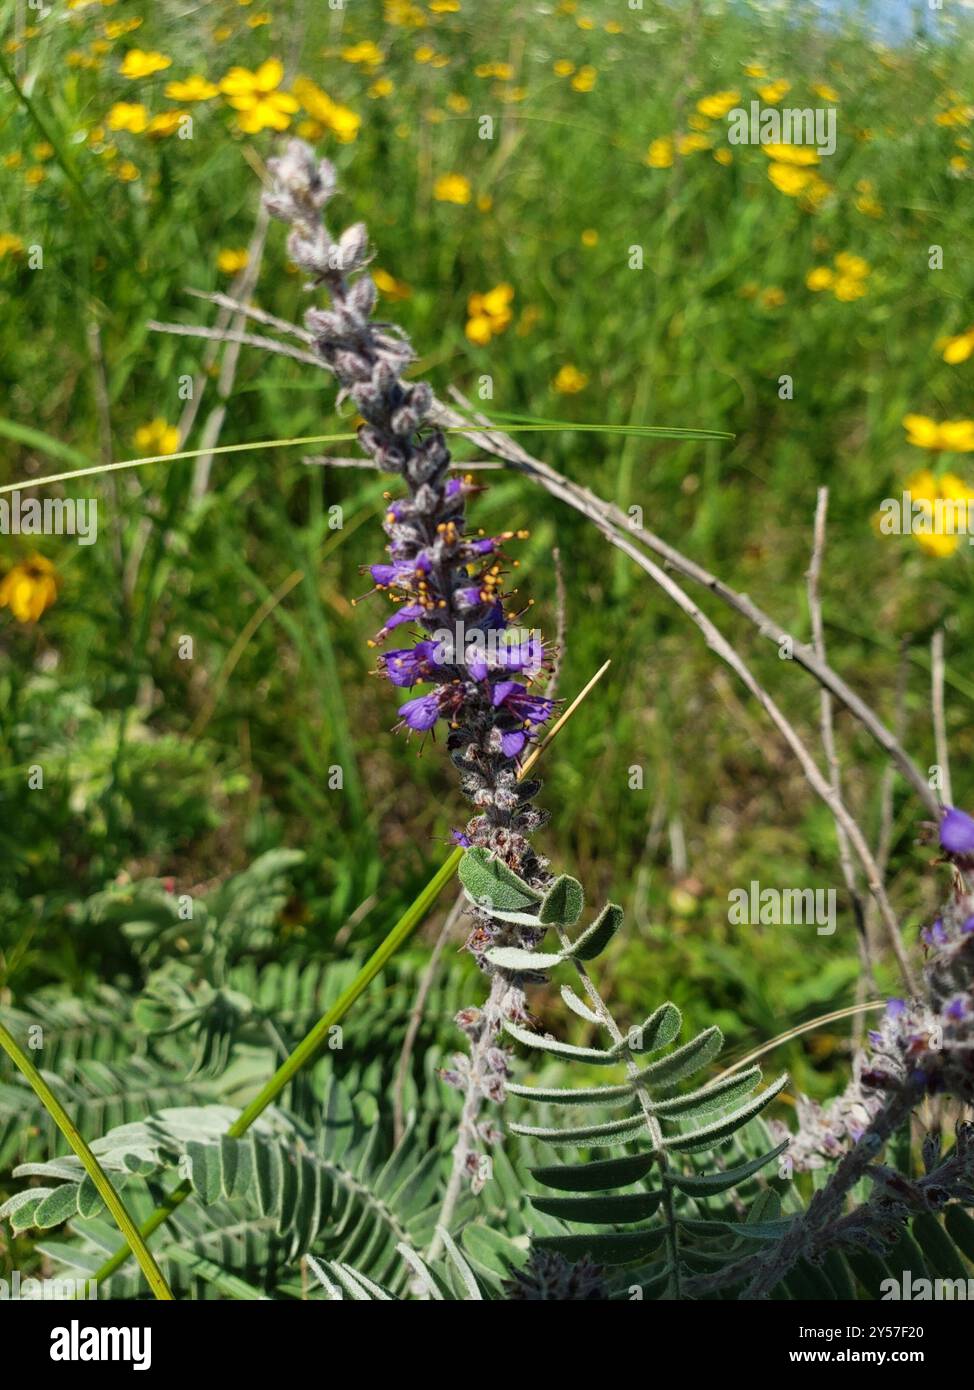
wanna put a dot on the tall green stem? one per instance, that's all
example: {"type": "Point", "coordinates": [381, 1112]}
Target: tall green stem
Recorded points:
{"type": "Point", "coordinates": [99, 1177]}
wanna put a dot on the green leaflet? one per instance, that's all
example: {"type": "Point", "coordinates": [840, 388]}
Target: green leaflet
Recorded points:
{"type": "Point", "coordinates": [610, 1132]}
{"type": "Point", "coordinates": [603, 1174]}
{"type": "Point", "coordinates": [961, 1228]}
{"type": "Point", "coordinates": [712, 1097]}
{"type": "Point", "coordinates": [595, 938]}
{"type": "Point", "coordinates": [578, 1006]}
{"type": "Point", "coordinates": [488, 881]}
{"type": "Point", "coordinates": [686, 1060]}
{"type": "Point", "coordinates": [614, 1210]}
{"type": "Point", "coordinates": [615, 1248]}
{"type": "Point", "coordinates": [584, 1095]}
{"type": "Point", "coordinates": [563, 903]}
{"type": "Point", "coordinates": [937, 1246]}
{"type": "Point", "coordinates": [712, 1184]}
{"type": "Point", "coordinates": [516, 958]}
{"type": "Point", "coordinates": [711, 1135]}
{"type": "Point", "coordinates": [593, 1055]}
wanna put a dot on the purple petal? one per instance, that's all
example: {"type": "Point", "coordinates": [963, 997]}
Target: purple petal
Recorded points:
{"type": "Point", "coordinates": [503, 689]}
{"type": "Point", "coordinates": [513, 742]}
{"type": "Point", "coordinates": [957, 832]}
{"type": "Point", "coordinates": [422, 713]}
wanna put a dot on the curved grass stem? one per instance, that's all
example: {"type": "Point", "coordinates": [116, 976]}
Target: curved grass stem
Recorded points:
{"type": "Point", "coordinates": [136, 1242]}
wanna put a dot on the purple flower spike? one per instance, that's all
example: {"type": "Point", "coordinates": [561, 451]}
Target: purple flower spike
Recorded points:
{"type": "Point", "coordinates": [957, 832]}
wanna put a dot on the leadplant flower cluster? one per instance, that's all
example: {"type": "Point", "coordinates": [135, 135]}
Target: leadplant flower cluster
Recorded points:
{"type": "Point", "coordinates": [445, 583]}
{"type": "Point", "coordinates": [922, 1045]}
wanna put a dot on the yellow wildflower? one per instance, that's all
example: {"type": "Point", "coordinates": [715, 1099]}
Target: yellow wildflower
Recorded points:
{"type": "Point", "coordinates": [949, 436]}
{"type": "Point", "coordinates": [958, 349]}
{"type": "Point", "coordinates": [825, 91]}
{"type": "Point", "coordinates": [590, 237]}
{"type": "Point", "coordinates": [195, 88]}
{"type": "Point", "coordinates": [388, 286]}
{"type": "Point", "coordinates": [660, 153]}
{"type": "Point", "coordinates": [10, 245]}
{"type": "Point", "coordinates": [29, 588]}
{"type": "Point", "coordinates": [584, 79]}
{"type": "Point", "coordinates": [821, 278]}
{"type": "Point", "coordinates": [458, 103]}
{"type": "Point", "coordinates": [489, 314]}
{"type": "Point", "coordinates": [723, 157]}
{"type": "Point", "coordinates": [157, 437]}
{"type": "Point", "coordinates": [564, 67]}
{"type": "Point", "coordinates": [35, 176]}
{"type": "Point", "coordinates": [716, 107]}
{"type": "Point", "coordinates": [691, 144]}
{"type": "Point", "coordinates": [382, 87]}
{"type": "Point", "coordinates": [772, 92]}
{"type": "Point", "coordinates": [128, 115]}
{"type": "Point", "coordinates": [140, 62]}
{"type": "Point", "coordinates": [755, 70]}
{"type": "Point", "coordinates": [256, 98]}
{"type": "Point", "coordinates": [231, 260]}
{"type": "Point", "coordinates": [773, 297]}
{"type": "Point", "coordinates": [569, 380]}
{"type": "Point", "coordinates": [788, 179]}
{"type": "Point", "coordinates": [365, 52]}
{"type": "Point", "coordinates": [802, 156]}
{"type": "Point", "coordinates": [856, 266]}
{"type": "Point", "coordinates": [404, 12]}
{"type": "Point", "coordinates": [452, 188]}
{"type": "Point", "coordinates": [340, 120]}
{"type": "Point", "coordinates": [444, 6]}
{"type": "Point", "coordinates": [167, 122]}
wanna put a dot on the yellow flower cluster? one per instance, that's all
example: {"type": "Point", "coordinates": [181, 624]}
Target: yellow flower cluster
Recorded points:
{"type": "Point", "coordinates": [848, 281]}
{"type": "Point", "coordinates": [29, 588]}
{"type": "Point", "coordinates": [489, 314]}
{"type": "Point", "coordinates": [925, 487]}
{"type": "Point", "coordinates": [792, 171]}
{"type": "Point", "coordinates": [157, 437]}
